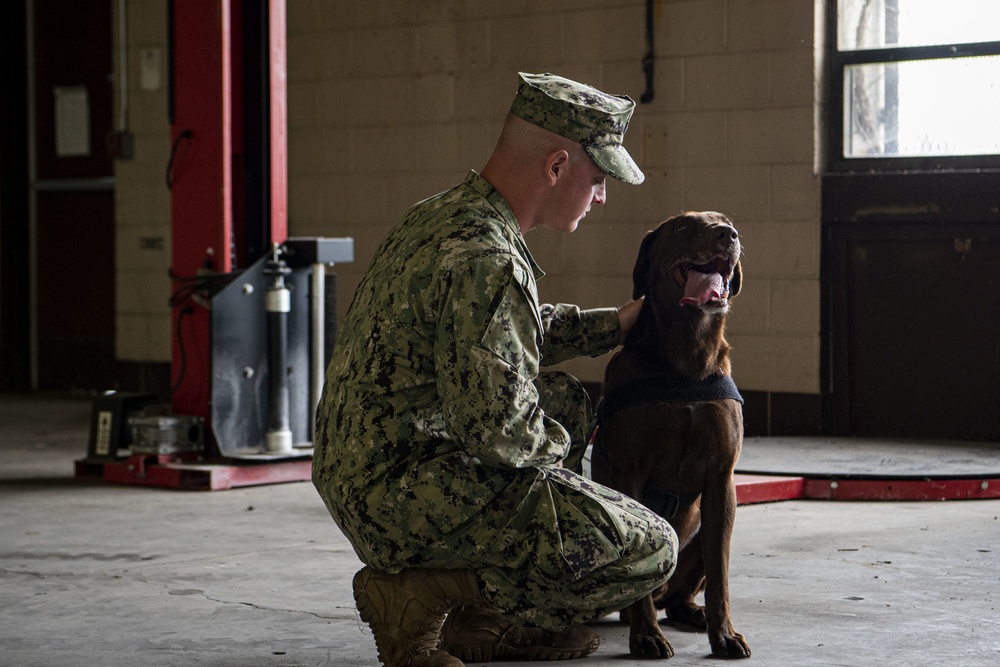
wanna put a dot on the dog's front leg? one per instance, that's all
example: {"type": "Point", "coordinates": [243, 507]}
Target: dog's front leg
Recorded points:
{"type": "Point", "coordinates": [718, 515]}
{"type": "Point", "coordinates": [645, 639]}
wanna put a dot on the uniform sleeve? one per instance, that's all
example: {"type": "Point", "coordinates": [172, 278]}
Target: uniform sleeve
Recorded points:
{"type": "Point", "coordinates": [487, 356]}
{"type": "Point", "coordinates": [570, 332]}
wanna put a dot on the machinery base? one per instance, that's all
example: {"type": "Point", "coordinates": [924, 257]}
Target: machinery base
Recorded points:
{"type": "Point", "coordinates": [184, 472]}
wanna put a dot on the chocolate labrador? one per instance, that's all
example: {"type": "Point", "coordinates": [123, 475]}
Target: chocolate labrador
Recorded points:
{"type": "Point", "coordinates": [670, 425]}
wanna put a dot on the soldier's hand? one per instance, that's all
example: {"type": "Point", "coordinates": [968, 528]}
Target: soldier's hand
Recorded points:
{"type": "Point", "coordinates": [628, 314]}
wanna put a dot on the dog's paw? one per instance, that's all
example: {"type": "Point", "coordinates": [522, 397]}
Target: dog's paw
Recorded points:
{"type": "Point", "coordinates": [730, 646]}
{"type": "Point", "coordinates": [688, 614]}
{"type": "Point", "coordinates": [650, 645]}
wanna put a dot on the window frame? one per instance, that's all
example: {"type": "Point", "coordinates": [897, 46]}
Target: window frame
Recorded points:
{"type": "Point", "coordinates": [837, 63]}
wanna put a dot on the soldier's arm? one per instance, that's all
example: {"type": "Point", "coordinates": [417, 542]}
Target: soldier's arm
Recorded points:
{"type": "Point", "coordinates": [487, 356]}
{"type": "Point", "coordinates": [570, 332]}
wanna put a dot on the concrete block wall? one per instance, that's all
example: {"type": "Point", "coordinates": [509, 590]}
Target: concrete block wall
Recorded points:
{"type": "Point", "coordinates": [391, 102]}
{"type": "Point", "coordinates": [142, 201]}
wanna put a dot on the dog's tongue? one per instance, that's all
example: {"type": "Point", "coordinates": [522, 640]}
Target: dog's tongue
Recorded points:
{"type": "Point", "coordinates": [702, 288]}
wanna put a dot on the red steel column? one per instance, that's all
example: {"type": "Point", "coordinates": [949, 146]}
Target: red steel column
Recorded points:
{"type": "Point", "coordinates": [201, 182]}
{"type": "Point", "coordinates": [279, 121]}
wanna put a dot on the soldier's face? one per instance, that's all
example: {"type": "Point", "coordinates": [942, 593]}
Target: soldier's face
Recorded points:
{"type": "Point", "coordinates": [579, 188]}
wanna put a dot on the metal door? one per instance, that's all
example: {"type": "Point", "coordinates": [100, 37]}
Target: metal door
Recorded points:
{"type": "Point", "coordinates": [72, 198]}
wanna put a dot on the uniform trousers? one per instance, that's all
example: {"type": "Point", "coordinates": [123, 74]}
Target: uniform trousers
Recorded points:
{"type": "Point", "coordinates": [573, 550]}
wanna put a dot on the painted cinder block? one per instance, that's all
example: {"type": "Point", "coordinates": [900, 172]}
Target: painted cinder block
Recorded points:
{"type": "Point", "coordinates": [309, 51]}
{"type": "Point", "coordinates": [534, 45]}
{"type": "Point", "coordinates": [692, 27]}
{"type": "Point", "coordinates": [727, 81]}
{"type": "Point", "coordinates": [605, 249]}
{"type": "Point", "coordinates": [794, 192]}
{"type": "Point", "coordinates": [303, 105]}
{"type": "Point", "coordinates": [305, 195]}
{"type": "Point", "coordinates": [146, 115]}
{"type": "Point", "coordinates": [794, 307]}
{"type": "Point", "coordinates": [428, 98]}
{"type": "Point", "coordinates": [754, 25]}
{"type": "Point", "coordinates": [384, 50]}
{"type": "Point", "coordinates": [741, 191]}
{"type": "Point", "coordinates": [605, 34]}
{"type": "Point", "coordinates": [771, 136]}
{"type": "Point", "coordinates": [343, 103]}
{"type": "Point", "coordinates": [484, 95]}
{"type": "Point", "coordinates": [453, 46]}
{"type": "Point", "coordinates": [660, 196]}
{"type": "Point", "coordinates": [357, 200]}
{"type": "Point", "coordinates": [775, 363]}
{"type": "Point", "coordinates": [750, 309]}
{"type": "Point", "coordinates": [146, 20]}
{"type": "Point", "coordinates": [792, 76]}
{"type": "Point", "coordinates": [161, 331]}
{"type": "Point", "coordinates": [330, 17]}
{"type": "Point", "coordinates": [476, 140]}
{"type": "Point", "coordinates": [685, 139]}
{"type": "Point", "coordinates": [781, 249]}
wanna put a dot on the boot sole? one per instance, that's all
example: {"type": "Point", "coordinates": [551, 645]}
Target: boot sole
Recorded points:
{"type": "Point", "coordinates": [501, 652]}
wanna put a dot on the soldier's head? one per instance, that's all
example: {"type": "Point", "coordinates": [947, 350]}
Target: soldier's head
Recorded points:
{"type": "Point", "coordinates": [595, 120]}
{"type": "Point", "coordinates": [560, 141]}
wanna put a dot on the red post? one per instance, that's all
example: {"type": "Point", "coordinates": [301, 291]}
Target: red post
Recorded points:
{"type": "Point", "coordinates": [208, 129]}
{"type": "Point", "coordinates": [279, 121]}
{"type": "Point", "coordinates": [201, 183]}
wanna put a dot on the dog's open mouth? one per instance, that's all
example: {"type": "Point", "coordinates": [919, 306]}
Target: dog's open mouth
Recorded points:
{"type": "Point", "coordinates": [704, 283]}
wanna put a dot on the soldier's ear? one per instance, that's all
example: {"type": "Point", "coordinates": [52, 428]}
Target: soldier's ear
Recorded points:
{"type": "Point", "coordinates": [555, 165]}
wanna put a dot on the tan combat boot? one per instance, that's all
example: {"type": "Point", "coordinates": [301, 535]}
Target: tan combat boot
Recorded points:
{"type": "Point", "coordinates": [478, 634]}
{"type": "Point", "coordinates": [405, 612]}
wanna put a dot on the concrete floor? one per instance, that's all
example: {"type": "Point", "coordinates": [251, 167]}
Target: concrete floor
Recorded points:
{"type": "Point", "coordinates": [95, 574]}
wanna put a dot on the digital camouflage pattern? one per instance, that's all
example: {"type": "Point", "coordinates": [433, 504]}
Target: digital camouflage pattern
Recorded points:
{"type": "Point", "coordinates": [438, 437]}
{"type": "Point", "coordinates": [583, 114]}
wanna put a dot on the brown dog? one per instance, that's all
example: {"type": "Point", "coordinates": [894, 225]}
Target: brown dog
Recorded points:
{"type": "Point", "coordinates": [670, 426]}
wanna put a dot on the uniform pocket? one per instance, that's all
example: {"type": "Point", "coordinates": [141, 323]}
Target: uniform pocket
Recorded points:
{"type": "Point", "coordinates": [561, 530]}
{"type": "Point", "coordinates": [515, 329]}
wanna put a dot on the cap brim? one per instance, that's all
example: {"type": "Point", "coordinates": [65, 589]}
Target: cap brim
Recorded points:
{"type": "Point", "coordinates": [616, 162]}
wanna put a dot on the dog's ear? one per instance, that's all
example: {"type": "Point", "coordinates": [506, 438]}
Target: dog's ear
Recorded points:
{"type": "Point", "coordinates": [641, 269]}
{"type": "Point", "coordinates": [736, 282]}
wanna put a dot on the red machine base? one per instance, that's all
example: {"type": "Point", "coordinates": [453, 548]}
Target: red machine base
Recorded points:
{"type": "Point", "coordinates": [172, 471]}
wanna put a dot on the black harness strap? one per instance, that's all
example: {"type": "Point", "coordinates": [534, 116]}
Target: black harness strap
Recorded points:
{"type": "Point", "coordinates": [668, 390]}
{"type": "Point", "coordinates": [664, 390]}
{"type": "Point", "coordinates": [667, 504]}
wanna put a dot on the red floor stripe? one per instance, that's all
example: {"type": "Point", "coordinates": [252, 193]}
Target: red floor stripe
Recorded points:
{"type": "Point", "coordinates": [766, 488]}
{"type": "Point", "coordinates": [901, 489]}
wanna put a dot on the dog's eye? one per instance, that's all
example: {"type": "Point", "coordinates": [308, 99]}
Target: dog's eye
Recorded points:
{"type": "Point", "coordinates": [683, 227]}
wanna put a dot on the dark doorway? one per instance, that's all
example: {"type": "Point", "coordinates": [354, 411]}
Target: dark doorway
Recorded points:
{"type": "Point", "coordinates": [15, 330]}
{"type": "Point", "coordinates": [72, 77]}
{"type": "Point", "coordinates": [913, 296]}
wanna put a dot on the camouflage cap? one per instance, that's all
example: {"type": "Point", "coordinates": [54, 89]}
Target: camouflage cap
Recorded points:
{"type": "Point", "coordinates": [581, 113]}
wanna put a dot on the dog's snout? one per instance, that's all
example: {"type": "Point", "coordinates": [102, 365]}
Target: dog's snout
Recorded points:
{"type": "Point", "coordinates": [725, 231]}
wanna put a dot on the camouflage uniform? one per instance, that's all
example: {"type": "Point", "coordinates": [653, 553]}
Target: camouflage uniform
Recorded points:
{"type": "Point", "coordinates": [438, 439]}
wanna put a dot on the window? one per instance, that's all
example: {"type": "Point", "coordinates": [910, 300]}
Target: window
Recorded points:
{"type": "Point", "coordinates": [916, 84]}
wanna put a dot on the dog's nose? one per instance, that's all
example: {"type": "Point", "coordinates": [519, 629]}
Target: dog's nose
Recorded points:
{"type": "Point", "coordinates": [724, 231]}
